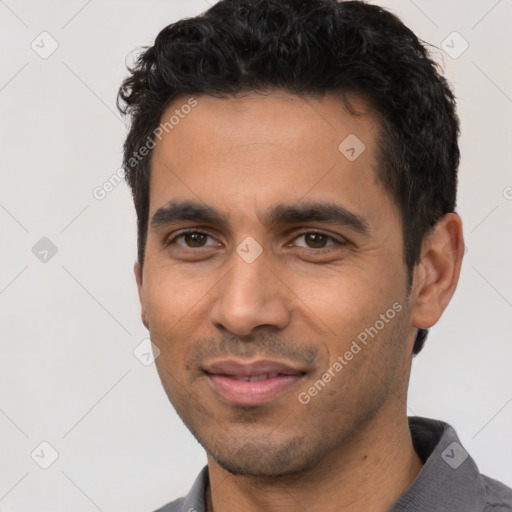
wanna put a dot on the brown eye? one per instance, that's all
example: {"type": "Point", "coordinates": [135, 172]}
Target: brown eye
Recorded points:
{"type": "Point", "coordinates": [193, 240]}
{"type": "Point", "coordinates": [315, 240]}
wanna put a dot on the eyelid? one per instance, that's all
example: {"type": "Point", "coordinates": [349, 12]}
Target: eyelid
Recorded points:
{"type": "Point", "coordinates": [337, 241]}
{"type": "Point", "coordinates": [180, 234]}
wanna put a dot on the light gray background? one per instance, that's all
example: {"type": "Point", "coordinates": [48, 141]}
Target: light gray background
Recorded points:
{"type": "Point", "coordinates": [69, 325]}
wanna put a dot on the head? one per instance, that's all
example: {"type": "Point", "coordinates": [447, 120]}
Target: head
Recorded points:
{"type": "Point", "coordinates": [294, 169]}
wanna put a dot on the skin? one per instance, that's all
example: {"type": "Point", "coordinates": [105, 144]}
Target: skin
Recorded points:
{"type": "Point", "coordinates": [303, 300]}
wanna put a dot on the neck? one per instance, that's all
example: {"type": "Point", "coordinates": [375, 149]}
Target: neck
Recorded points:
{"type": "Point", "coordinates": [370, 474]}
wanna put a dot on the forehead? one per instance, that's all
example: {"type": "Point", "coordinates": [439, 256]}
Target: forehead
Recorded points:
{"type": "Point", "coordinates": [264, 148]}
{"type": "Point", "coordinates": [307, 125]}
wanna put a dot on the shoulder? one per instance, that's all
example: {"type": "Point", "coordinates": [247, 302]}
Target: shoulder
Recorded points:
{"type": "Point", "coordinates": [173, 506]}
{"type": "Point", "coordinates": [498, 495]}
{"type": "Point", "coordinates": [194, 501]}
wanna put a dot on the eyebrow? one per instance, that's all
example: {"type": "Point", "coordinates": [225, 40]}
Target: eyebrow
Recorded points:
{"type": "Point", "coordinates": [178, 211]}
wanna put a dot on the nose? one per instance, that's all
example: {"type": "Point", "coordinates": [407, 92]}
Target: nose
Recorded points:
{"type": "Point", "coordinates": [250, 296]}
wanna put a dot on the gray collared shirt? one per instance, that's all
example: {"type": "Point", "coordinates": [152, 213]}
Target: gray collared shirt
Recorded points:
{"type": "Point", "coordinates": [448, 482]}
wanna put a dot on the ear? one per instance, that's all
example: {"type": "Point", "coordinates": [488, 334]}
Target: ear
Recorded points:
{"type": "Point", "coordinates": [436, 275]}
{"type": "Point", "coordinates": [137, 270]}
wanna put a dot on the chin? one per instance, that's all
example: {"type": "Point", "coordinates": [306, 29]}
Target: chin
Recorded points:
{"type": "Point", "coordinates": [264, 460]}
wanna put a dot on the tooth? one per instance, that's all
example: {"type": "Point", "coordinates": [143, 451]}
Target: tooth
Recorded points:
{"type": "Point", "coordinates": [256, 378]}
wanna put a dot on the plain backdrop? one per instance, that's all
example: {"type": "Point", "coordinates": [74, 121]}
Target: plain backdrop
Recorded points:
{"type": "Point", "coordinates": [69, 310]}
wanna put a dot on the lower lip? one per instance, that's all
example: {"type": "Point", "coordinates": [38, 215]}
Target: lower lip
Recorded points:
{"type": "Point", "coordinates": [243, 392]}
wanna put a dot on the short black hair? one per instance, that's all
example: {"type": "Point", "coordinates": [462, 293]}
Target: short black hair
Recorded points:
{"type": "Point", "coordinates": [309, 48]}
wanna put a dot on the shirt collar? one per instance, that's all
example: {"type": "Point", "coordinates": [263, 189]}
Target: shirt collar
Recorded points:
{"type": "Point", "coordinates": [449, 479]}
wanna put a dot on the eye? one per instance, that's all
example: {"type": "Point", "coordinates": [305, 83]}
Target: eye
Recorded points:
{"type": "Point", "coordinates": [308, 240]}
{"type": "Point", "coordinates": [316, 240]}
{"type": "Point", "coordinates": [193, 240]}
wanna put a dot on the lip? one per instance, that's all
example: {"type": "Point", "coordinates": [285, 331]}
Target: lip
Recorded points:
{"type": "Point", "coordinates": [252, 383]}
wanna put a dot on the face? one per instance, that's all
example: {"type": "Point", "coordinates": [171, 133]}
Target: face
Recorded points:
{"type": "Point", "coordinates": [274, 282]}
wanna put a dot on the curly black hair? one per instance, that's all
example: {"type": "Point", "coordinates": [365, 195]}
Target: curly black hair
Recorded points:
{"type": "Point", "coordinates": [308, 48]}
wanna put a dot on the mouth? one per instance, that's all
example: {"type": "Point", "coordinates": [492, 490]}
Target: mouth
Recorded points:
{"type": "Point", "coordinates": [251, 384]}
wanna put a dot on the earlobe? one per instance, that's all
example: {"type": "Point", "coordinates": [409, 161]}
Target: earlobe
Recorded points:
{"type": "Point", "coordinates": [137, 270]}
{"type": "Point", "coordinates": [437, 274]}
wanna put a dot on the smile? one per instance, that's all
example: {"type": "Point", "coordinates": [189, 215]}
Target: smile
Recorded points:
{"type": "Point", "coordinates": [252, 384]}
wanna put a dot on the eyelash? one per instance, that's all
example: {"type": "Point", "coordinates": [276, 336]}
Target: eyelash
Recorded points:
{"type": "Point", "coordinates": [304, 233]}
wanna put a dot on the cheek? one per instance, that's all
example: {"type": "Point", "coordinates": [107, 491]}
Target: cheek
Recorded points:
{"type": "Point", "coordinates": [171, 295]}
{"type": "Point", "coordinates": [342, 305]}
{"type": "Point", "coordinates": [175, 308]}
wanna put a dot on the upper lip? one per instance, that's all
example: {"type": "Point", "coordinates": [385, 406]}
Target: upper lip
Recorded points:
{"type": "Point", "coordinates": [238, 368]}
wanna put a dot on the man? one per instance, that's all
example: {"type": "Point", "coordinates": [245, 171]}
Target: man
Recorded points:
{"type": "Point", "coordinates": [294, 166]}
